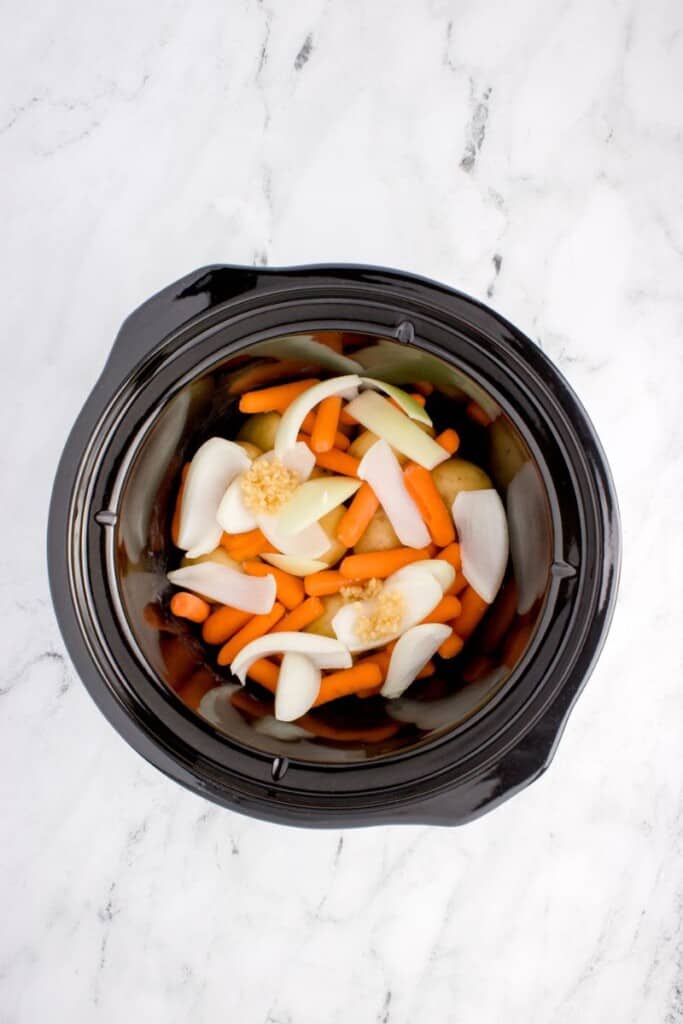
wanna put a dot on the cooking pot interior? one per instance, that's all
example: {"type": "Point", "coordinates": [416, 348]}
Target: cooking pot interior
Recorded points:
{"type": "Point", "coordinates": [172, 651]}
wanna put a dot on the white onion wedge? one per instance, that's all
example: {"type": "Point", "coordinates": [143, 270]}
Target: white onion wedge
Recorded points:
{"type": "Point", "coordinates": [216, 463]}
{"type": "Point", "coordinates": [299, 457]}
{"type": "Point", "coordinates": [290, 424]}
{"type": "Point", "coordinates": [479, 518]}
{"type": "Point", "coordinates": [402, 398]}
{"type": "Point", "coordinates": [529, 535]}
{"type": "Point", "coordinates": [420, 593]}
{"type": "Point", "coordinates": [323, 650]}
{"type": "Point", "coordinates": [219, 583]}
{"type": "Point", "coordinates": [382, 470]}
{"type": "Point", "coordinates": [295, 566]}
{"type": "Point", "coordinates": [382, 418]}
{"type": "Point", "coordinates": [313, 500]}
{"type": "Point", "coordinates": [312, 542]}
{"type": "Point", "coordinates": [442, 571]}
{"type": "Point", "coordinates": [410, 655]}
{"type": "Point", "coordinates": [233, 516]}
{"type": "Point", "coordinates": [298, 684]}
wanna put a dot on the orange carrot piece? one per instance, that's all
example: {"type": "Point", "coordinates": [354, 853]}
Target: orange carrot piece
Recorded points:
{"type": "Point", "coordinates": [224, 623]}
{"type": "Point", "coordinates": [306, 613]}
{"type": "Point", "coordinates": [422, 490]}
{"type": "Point", "coordinates": [380, 563]}
{"type": "Point", "coordinates": [190, 606]}
{"type": "Point", "coordinates": [458, 585]}
{"type": "Point", "coordinates": [347, 681]}
{"type": "Point", "coordinates": [326, 423]}
{"type": "Point", "coordinates": [451, 554]}
{"type": "Point", "coordinates": [308, 422]}
{"type": "Point", "coordinates": [371, 691]}
{"type": "Point", "coordinates": [449, 440]}
{"type": "Point", "coordinates": [341, 441]}
{"type": "Point", "coordinates": [243, 546]}
{"type": "Point", "coordinates": [476, 413]}
{"type": "Point", "coordinates": [265, 673]}
{"type": "Point", "coordinates": [290, 589]}
{"type": "Point", "coordinates": [197, 687]}
{"type": "Point", "coordinates": [175, 522]}
{"type": "Point", "coordinates": [474, 609]}
{"type": "Point", "coordinates": [356, 519]}
{"type": "Point", "coordinates": [451, 646]}
{"type": "Point", "coordinates": [275, 399]}
{"type": "Point", "coordinates": [447, 608]}
{"type": "Point", "coordinates": [338, 462]}
{"type": "Point", "coordinates": [327, 581]}
{"type": "Point", "coordinates": [332, 339]}
{"type": "Point", "coordinates": [503, 612]}
{"type": "Point", "coordinates": [258, 626]}
{"type": "Point", "coordinates": [425, 387]}
{"type": "Point", "coordinates": [347, 419]}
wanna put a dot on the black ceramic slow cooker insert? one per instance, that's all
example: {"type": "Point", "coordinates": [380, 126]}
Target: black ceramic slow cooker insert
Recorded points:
{"type": "Point", "coordinates": [488, 722]}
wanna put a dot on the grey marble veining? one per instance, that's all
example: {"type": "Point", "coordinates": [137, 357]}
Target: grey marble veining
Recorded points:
{"type": "Point", "coordinates": [528, 153]}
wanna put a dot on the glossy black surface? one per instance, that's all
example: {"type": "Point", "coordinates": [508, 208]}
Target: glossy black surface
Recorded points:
{"type": "Point", "coordinates": [215, 312]}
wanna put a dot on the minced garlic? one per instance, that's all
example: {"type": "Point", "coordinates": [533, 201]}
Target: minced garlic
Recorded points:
{"type": "Point", "coordinates": [361, 591]}
{"type": "Point", "coordinates": [267, 485]}
{"type": "Point", "coordinates": [384, 619]}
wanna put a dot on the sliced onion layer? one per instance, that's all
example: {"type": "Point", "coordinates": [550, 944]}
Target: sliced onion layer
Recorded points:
{"type": "Point", "coordinates": [290, 424]}
{"type": "Point", "coordinates": [420, 594]}
{"type": "Point", "coordinates": [380, 467]}
{"type": "Point", "coordinates": [233, 516]}
{"type": "Point", "coordinates": [323, 650]}
{"type": "Point", "coordinates": [295, 566]}
{"type": "Point", "coordinates": [212, 469]}
{"type": "Point", "coordinates": [479, 518]}
{"type": "Point", "coordinates": [220, 583]}
{"type": "Point", "coordinates": [382, 418]}
{"type": "Point", "coordinates": [298, 685]}
{"type": "Point", "coordinates": [409, 406]}
{"type": "Point", "coordinates": [410, 655]}
{"type": "Point", "coordinates": [442, 571]}
{"type": "Point", "coordinates": [313, 500]}
{"type": "Point", "coordinates": [312, 542]}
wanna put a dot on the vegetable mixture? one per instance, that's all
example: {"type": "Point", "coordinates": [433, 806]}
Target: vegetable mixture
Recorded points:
{"type": "Point", "coordinates": [338, 545]}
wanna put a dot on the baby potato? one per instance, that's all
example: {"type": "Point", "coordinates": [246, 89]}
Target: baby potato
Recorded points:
{"type": "Point", "coordinates": [259, 429]}
{"type": "Point", "coordinates": [323, 625]}
{"type": "Point", "coordinates": [365, 441]}
{"type": "Point", "coordinates": [329, 523]}
{"type": "Point", "coordinates": [379, 535]}
{"type": "Point", "coordinates": [506, 452]}
{"type": "Point", "coordinates": [457, 475]}
{"type": "Point", "coordinates": [251, 449]}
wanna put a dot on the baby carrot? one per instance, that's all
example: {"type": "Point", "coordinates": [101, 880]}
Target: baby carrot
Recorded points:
{"type": "Point", "coordinates": [175, 522]}
{"type": "Point", "coordinates": [381, 658]}
{"type": "Point", "coordinates": [341, 441]}
{"type": "Point", "coordinates": [338, 462]}
{"type": "Point", "coordinates": [451, 646]}
{"type": "Point", "coordinates": [422, 489]}
{"type": "Point", "coordinates": [306, 613]}
{"type": "Point", "coordinates": [199, 684]}
{"type": "Point", "coordinates": [474, 609]}
{"type": "Point", "coordinates": [223, 624]}
{"type": "Point", "coordinates": [355, 520]}
{"type": "Point", "coordinates": [346, 418]}
{"type": "Point", "coordinates": [265, 673]}
{"type": "Point", "coordinates": [458, 585]}
{"type": "Point", "coordinates": [332, 339]}
{"type": "Point", "coordinates": [189, 606]}
{"type": "Point", "coordinates": [328, 581]}
{"type": "Point", "coordinates": [258, 626]}
{"type": "Point", "coordinates": [326, 423]}
{"type": "Point", "coordinates": [380, 563]}
{"type": "Point", "coordinates": [451, 554]}
{"type": "Point", "coordinates": [426, 671]}
{"type": "Point", "coordinates": [476, 413]}
{"type": "Point", "coordinates": [243, 546]}
{"type": "Point", "coordinates": [447, 608]}
{"type": "Point", "coordinates": [290, 589]}
{"type": "Point", "coordinates": [275, 399]}
{"type": "Point", "coordinates": [371, 691]}
{"type": "Point", "coordinates": [449, 440]}
{"type": "Point", "coordinates": [347, 681]}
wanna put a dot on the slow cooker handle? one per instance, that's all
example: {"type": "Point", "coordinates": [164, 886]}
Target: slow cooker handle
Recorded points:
{"type": "Point", "coordinates": [150, 324]}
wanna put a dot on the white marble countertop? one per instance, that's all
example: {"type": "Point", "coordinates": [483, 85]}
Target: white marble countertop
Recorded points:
{"type": "Point", "coordinates": [527, 152]}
